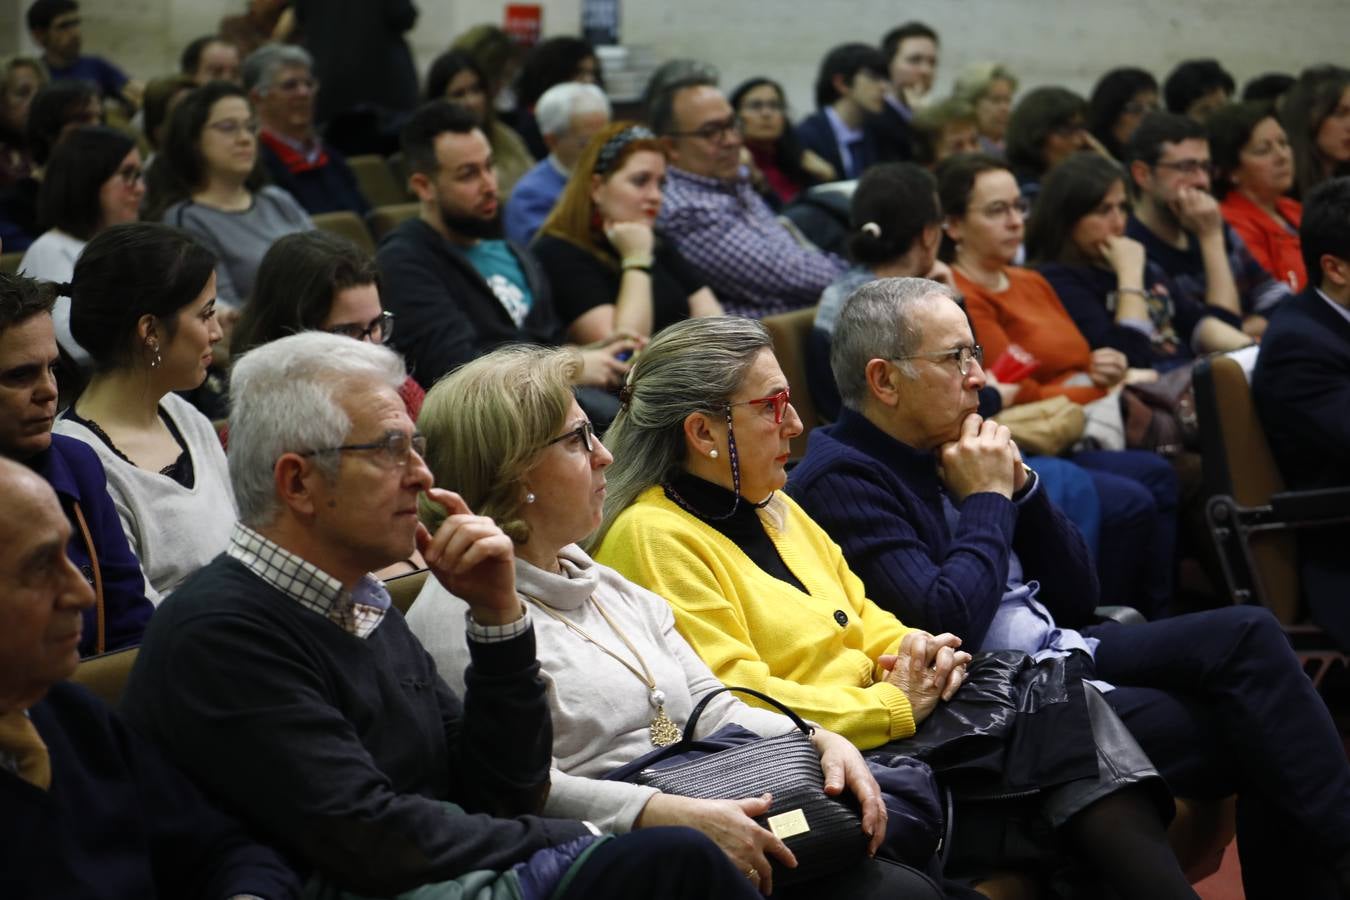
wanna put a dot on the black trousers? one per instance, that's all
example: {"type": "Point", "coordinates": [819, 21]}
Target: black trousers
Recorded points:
{"type": "Point", "coordinates": [1218, 701]}
{"type": "Point", "coordinates": [683, 864]}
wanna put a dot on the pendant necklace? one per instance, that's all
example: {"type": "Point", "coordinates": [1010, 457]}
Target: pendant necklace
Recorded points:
{"type": "Point", "coordinates": [662, 729]}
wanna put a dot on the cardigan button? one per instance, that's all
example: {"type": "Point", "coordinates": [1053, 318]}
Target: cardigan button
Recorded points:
{"type": "Point", "coordinates": [88, 572]}
{"type": "Point", "coordinates": [841, 617]}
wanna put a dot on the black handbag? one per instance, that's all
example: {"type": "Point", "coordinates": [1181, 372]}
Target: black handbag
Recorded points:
{"type": "Point", "coordinates": [823, 832]}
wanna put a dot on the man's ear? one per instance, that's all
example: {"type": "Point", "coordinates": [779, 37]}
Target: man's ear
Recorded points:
{"type": "Point", "coordinates": [1141, 177]}
{"type": "Point", "coordinates": [420, 184]}
{"type": "Point", "coordinates": [882, 382]}
{"type": "Point", "coordinates": [671, 153]}
{"type": "Point", "coordinates": [1335, 270]}
{"type": "Point", "coordinates": [294, 480]}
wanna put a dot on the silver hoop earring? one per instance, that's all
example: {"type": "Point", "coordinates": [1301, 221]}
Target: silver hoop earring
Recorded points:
{"type": "Point", "coordinates": [713, 453]}
{"type": "Point", "coordinates": [529, 497]}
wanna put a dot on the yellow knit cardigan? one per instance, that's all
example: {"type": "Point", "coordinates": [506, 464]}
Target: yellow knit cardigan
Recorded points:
{"type": "Point", "coordinates": [756, 631]}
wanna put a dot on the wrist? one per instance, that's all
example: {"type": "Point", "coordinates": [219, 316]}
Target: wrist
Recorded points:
{"type": "Point", "coordinates": [640, 262]}
{"type": "Point", "coordinates": [493, 617]}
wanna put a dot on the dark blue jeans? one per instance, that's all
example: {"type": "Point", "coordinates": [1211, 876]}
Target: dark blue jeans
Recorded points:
{"type": "Point", "coordinates": [1138, 492]}
{"type": "Point", "coordinates": [1218, 701]}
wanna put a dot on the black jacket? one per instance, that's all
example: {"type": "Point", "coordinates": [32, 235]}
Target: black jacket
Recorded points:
{"type": "Point", "coordinates": [446, 314]}
{"type": "Point", "coordinates": [1302, 392]}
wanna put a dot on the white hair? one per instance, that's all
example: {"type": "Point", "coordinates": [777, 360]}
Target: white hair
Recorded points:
{"type": "Point", "coordinates": [284, 399]}
{"type": "Point", "coordinates": [259, 69]}
{"type": "Point", "coordinates": [560, 103]}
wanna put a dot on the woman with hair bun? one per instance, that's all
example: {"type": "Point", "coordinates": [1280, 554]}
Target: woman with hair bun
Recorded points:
{"type": "Point", "coordinates": [143, 304]}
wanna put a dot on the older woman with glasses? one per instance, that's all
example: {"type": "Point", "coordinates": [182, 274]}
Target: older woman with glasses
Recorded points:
{"type": "Point", "coordinates": [93, 181]}
{"type": "Point", "coordinates": [695, 513]}
{"type": "Point", "coordinates": [507, 432]}
{"type": "Point", "coordinates": [208, 179]}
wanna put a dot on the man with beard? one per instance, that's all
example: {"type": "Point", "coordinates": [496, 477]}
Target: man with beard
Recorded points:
{"type": "Point", "coordinates": [457, 288]}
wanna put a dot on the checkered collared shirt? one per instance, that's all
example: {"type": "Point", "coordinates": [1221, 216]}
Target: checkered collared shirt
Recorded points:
{"type": "Point", "coordinates": [358, 612]}
{"type": "Point", "coordinates": [752, 262]}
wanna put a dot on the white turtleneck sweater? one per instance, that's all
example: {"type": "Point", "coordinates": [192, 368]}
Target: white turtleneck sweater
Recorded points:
{"type": "Point", "coordinates": [600, 709]}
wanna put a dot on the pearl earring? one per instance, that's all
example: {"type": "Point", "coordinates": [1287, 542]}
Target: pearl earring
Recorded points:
{"type": "Point", "coordinates": [713, 453]}
{"type": "Point", "coordinates": [529, 497]}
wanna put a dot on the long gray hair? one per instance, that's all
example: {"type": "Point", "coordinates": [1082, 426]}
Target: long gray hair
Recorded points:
{"type": "Point", "coordinates": [692, 366]}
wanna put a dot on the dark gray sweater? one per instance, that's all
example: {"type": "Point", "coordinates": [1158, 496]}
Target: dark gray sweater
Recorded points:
{"type": "Point", "coordinates": [341, 750]}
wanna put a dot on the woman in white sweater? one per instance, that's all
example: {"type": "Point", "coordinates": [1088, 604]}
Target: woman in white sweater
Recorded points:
{"type": "Point", "coordinates": [143, 305]}
{"type": "Point", "coordinates": [506, 432]}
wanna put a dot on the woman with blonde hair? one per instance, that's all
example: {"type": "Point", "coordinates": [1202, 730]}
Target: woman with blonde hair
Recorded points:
{"type": "Point", "coordinates": [505, 430]}
{"type": "Point", "coordinates": [611, 272]}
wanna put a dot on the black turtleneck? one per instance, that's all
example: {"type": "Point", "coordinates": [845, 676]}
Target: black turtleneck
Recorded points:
{"type": "Point", "coordinates": [743, 528]}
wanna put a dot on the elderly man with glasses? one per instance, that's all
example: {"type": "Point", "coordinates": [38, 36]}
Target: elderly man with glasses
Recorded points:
{"type": "Point", "coordinates": [282, 680]}
{"type": "Point", "coordinates": [719, 224]}
{"type": "Point", "coordinates": [949, 530]}
{"type": "Point", "coordinates": [281, 86]}
{"type": "Point", "coordinates": [1182, 229]}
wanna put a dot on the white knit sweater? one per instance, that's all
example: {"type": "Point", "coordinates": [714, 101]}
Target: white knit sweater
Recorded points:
{"type": "Point", "coordinates": [600, 709]}
{"type": "Point", "coordinates": [174, 531]}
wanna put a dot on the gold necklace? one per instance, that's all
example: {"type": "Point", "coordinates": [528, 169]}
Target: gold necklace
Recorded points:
{"type": "Point", "coordinates": [662, 729]}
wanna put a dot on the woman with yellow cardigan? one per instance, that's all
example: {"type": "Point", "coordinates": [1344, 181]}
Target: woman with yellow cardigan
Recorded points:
{"type": "Point", "coordinates": [694, 513]}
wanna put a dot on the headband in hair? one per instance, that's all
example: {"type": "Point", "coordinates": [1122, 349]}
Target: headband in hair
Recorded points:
{"type": "Point", "coordinates": [614, 146]}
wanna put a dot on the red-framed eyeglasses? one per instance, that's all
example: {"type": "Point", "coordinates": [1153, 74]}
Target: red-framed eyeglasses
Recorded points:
{"type": "Point", "coordinates": [779, 401]}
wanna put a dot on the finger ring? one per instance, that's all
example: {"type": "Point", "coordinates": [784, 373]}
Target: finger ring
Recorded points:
{"type": "Point", "coordinates": [752, 873]}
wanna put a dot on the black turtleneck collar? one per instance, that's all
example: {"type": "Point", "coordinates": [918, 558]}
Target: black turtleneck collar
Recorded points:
{"type": "Point", "coordinates": [743, 528]}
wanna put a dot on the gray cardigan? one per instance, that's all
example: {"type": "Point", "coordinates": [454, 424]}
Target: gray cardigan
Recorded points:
{"type": "Point", "coordinates": [600, 709]}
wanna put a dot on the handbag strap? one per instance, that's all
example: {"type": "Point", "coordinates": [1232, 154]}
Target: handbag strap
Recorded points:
{"type": "Point", "coordinates": [102, 631]}
{"type": "Point", "coordinates": [692, 724]}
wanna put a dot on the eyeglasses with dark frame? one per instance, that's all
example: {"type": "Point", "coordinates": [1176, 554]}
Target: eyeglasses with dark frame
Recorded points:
{"type": "Point", "coordinates": [780, 402]}
{"type": "Point", "coordinates": [383, 323]}
{"type": "Point", "coordinates": [585, 431]}
{"type": "Point", "coordinates": [394, 449]}
{"type": "Point", "coordinates": [962, 356]}
{"type": "Point", "coordinates": [1187, 166]}
{"type": "Point", "coordinates": [712, 131]}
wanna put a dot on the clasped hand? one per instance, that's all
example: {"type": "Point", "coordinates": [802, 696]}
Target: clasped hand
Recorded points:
{"type": "Point", "coordinates": [927, 668]}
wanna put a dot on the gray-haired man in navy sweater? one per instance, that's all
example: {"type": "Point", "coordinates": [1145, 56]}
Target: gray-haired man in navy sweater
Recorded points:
{"type": "Point", "coordinates": [936, 513]}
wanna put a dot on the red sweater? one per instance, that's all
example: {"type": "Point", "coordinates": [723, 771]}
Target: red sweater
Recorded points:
{"type": "Point", "coordinates": [1029, 314]}
{"type": "Point", "coordinates": [1275, 247]}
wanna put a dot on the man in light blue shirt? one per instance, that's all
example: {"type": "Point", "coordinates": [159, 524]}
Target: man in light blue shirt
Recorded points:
{"type": "Point", "coordinates": [569, 115]}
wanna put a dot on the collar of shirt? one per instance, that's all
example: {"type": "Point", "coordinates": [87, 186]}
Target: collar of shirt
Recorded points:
{"type": "Point", "coordinates": [845, 137]}
{"type": "Point", "coordinates": [682, 178]}
{"type": "Point", "coordinates": [900, 108]}
{"type": "Point", "coordinates": [357, 612]}
{"type": "Point", "coordinates": [310, 155]}
{"type": "Point", "coordinates": [1344, 313]}
{"type": "Point", "coordinates": [557, 165]}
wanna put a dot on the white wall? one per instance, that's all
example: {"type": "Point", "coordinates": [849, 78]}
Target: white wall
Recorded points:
{"type": "Point", "coordinates": [1068, 42]}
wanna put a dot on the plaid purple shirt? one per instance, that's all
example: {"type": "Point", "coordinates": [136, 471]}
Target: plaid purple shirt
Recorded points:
{"type": "Point", "coordinates": [753, 263]}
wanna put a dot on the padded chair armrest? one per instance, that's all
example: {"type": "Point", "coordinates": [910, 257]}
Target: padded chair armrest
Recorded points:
{"type": "Point", "coordinates": [1306, 507]}
{"type": "Point", "coordinates": [1125, 615]}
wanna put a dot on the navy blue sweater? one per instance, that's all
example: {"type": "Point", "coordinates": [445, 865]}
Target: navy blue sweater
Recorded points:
{"type": "Point", "coordinates": [350, 754]}
{"type": "Point", "coordinates": [120, 822]}
{"type": "Point", "coordinates": [881, 500]}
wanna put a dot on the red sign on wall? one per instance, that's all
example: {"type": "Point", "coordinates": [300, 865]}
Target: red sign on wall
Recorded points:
{"type": "Point", "coordinates": [524, 22]}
